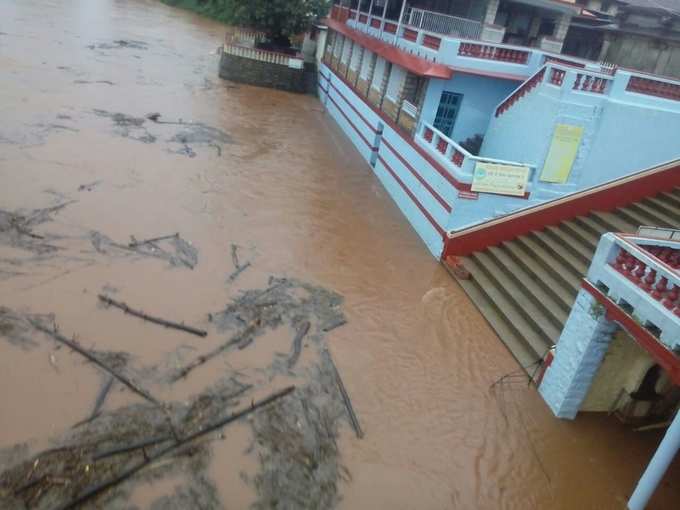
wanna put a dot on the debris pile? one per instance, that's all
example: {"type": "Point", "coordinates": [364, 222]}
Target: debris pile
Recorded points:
{"type": "Point", "coordinates": [16, 229]}
{"type": "Point", "coordinates": [173, 249]}
{"type": "Point", "coordinates": [102, 458]}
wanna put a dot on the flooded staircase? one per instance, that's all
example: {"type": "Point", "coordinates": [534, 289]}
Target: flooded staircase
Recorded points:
{"type": "Point", "coordinates": [525, 287]}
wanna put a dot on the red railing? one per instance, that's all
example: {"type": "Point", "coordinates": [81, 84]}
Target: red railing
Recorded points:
{"type": "Point", "coordinates": [587, 83]}
{"type": "Point", "coordinates": [488, 52]}
{"type": "Point", "coordinates": [442, 145]}
{"type": "Point", "coordinates": [390, 28]}
{"type": "Point", "coordinates": [526, 87]}
{"type": "Point", "coordinates": [341, 14]}
{"type": "Point", "coordinates": [428, 134]}
{"type": "Point", "coordinates": [557, 76]}
{"type": "Point", "coordinates": [646, 277]}
{"type": "Point", "coordinates": [432, 42]}
{"type": "Point", "coordinates": [375, 22]}
{"type": "Point", "coordinates": [363, 18]}
{"type": "Point", "coordinates": [410, 35]}
{"type": "Point", "coordinates": [457, 157]}
{"type": "Point", "coordinates": [564, 62]}
{"type": "Point", "coordinates": [654, 88]}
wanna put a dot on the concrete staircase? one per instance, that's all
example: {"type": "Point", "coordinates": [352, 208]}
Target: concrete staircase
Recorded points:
{"type": "Point", "coordinates": [525, 287]}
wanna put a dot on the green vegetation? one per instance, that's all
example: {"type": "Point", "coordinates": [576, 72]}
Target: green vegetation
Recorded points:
{"type": "Point", "coordinates": [280, 19]}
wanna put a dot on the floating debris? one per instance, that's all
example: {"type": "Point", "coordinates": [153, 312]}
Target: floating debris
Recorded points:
{"type": "Point", "coordinates": [175, 250]}
{"type": "Point", "coordinates": [16, 228]}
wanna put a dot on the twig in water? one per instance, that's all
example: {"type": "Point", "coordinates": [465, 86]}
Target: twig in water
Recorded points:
{"type": "Point", "coordinates": [235, 274]}
{"type": "Point", "coordinates": [91, 357]}
{"type": "Point", "coordinates": [234, 256]}
{"type": "Point", "coordinates": [131, 447]}
{"type": "Point", "coordinates": [134, 243]}
{"type": "Point", "coordinates": [98, 488]}
{"type": "Point", "coordinates": [99, 402]}
{"type": "Point", "coordinates": [345, 397]}
{"type": "Point", "coordinates": [155, 320]}
{"type": "Point", "coordinates": [297, 343]}
{"type": "Point", "coordinates": [239, 339]}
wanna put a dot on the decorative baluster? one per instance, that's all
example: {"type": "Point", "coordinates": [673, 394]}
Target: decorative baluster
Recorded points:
{"type": "Point", "coordinates": [649, 280]}
{"type": "Point", "coordinates": [636, 275]}
{"type": "Point", "coordinates": [577, 83]}
{"type": "Point", "coordinates": [671, 298]}
{"type": "Point", "coordinates": [660, 289]}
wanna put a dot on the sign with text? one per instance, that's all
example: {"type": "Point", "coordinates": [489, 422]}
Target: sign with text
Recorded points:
{"type": "Point", "coordinates": [563, 149]}
{"type": "Point", "coordinates": [500, 179]}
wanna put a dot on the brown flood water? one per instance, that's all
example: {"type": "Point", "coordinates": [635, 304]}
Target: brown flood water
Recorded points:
{"type": "Point", "coordinates": [288, 188]}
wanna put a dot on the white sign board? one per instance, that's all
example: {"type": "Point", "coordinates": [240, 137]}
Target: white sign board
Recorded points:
{"type": "Point", "coordinates": [500, 179]}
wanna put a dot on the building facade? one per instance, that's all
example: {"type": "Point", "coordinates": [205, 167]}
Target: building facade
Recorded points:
{"type": "Point", "coordinates": [461, 130]}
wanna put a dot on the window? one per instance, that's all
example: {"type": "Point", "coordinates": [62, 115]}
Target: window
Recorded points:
{"type": "Point", "coordinates": [449, 104]}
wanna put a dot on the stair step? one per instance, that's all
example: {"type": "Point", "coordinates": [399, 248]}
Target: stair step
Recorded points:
{"type": "Point", "coordinates": [524, 354]}
{"type": "Point", "coordinates": [661, 219]}
{"type": "Point", "coordinates": [575, 264]}
{"type": "Point", "coordinates": [614, 223]}
{"type": "Point", "coordinates": [591, 226]}
{"type": "Point", "coordinates": [582, 234]}
{"type": "Point", "coordinates": [669, 198]}
{"type": "Point", "coordinates": [636, 217]}
{"type": "Point", "coordinates": [664, 207]}
{"type": "Point", "coordinates": [509, 311]}
{"type": "Point", "coordinates": [567, 278]}
{"type": "Point", "coordinates": [564, 295]}
{"type": "Point", "coordinates": [544, 301]}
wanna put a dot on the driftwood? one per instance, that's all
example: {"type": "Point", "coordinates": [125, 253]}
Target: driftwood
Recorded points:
{"type": "Point", "coordinates": [345, 397]}
{"type": "Point", "coordinates": [91, 357]}
{"type": "Point", "coordinates": [134, 243]}
{"type": "Point", "coordinates": [131, 447]}
{"type": "Point", "coordinates": [297, 343]}
{"type": "Point", "coordinates": [155, 320]}
{"type": "Point", "coordinates": [99, 402]}
{"type": "Point", "coordinates": [234, 256]}
{"type": "Point", "coordinates": [333, 325]}
{"type": "Point", "coordinates": [239, 338]}
{"type": "Point", "coordinates": [238, 271]}
{"type": "Point", "coordinates": [98, 488]}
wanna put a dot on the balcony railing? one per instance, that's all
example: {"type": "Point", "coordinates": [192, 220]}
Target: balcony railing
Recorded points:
{"type": "Point", "coordinates": [458, 161]}
{"type": "Point", "coordinates": [642, 276]}
{"type": "Point", "coordinates": [272, 57]}
{"type": "Point", "coordinates": [442, 23]}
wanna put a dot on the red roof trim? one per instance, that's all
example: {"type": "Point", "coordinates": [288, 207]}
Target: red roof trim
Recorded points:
{"type": "Point", "coordinates": [412, 63]}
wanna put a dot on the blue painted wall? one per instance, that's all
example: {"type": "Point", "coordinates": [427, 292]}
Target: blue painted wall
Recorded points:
{"type": "Point", "coordinates": [481, 95]}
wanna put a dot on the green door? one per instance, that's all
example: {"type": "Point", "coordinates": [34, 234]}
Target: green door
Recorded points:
{"type": "Point", "coordinates": [449, 104]}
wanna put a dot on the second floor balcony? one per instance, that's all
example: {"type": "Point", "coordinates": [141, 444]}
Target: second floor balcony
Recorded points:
{"type": "Point", "coordinates": [539, 24]}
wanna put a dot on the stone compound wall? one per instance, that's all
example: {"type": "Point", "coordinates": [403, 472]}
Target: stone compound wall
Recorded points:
{"type": "Point", "coordinates": [266, 74]}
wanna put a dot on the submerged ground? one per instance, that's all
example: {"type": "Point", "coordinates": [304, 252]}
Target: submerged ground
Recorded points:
{"type": "Point", "coordinates": [83, 167]}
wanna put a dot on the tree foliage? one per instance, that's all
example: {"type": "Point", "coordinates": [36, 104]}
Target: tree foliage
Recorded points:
{"type": "Point", "coordinates": [278, 18]}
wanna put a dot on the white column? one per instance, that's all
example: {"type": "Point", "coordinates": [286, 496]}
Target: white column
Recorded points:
{"type": "Point", "coordinates": [657, 468]}
{"type": "Point", "coordinates": [578, 356]}
{"type": "Point", "coordinates": [401, 17]}
{"type": "Point", "coordinates": [491, 10]}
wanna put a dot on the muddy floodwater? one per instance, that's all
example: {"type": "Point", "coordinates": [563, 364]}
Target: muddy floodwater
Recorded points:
{"type": "Point", "coordinates": [114, 129]}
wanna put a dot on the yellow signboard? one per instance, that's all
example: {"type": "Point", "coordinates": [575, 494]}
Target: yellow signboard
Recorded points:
{"type": "Point", "coordinates": [565, 143]}
{"type": "Point", "coordinates": [500, 179]}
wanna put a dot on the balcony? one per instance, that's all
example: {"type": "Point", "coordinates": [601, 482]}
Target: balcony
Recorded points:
{"type": "Point", "coordinates": [642, 276]}
{"type": "Point", "coordinates": [459, 162]}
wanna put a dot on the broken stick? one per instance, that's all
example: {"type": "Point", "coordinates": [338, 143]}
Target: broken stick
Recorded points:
{"type": "Point", "coordinates": [103, 393]}
{"type": "Point", "coordinates": [155, 320]}
{"type": "Point", "coordinates": [345, 397]}
{"type": "Point", "coordinates": [297, 343]}
{"type": "Point", "coordinates": [91, 357]}
{"type": "Point", "coordinates": [238, 271]}
{"type": "Point", "coordinates": [98, 488]}
{"type": "Point", "coordinates": [234, 256]}
{"type": "Point", "coordinates": [134, 243]}
{"type": "Point", "coordinates": [239, 338]}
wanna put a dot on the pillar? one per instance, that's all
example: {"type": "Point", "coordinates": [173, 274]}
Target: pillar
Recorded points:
{"type": "Point", "coordinates": [657, 467]}
{"type": "Point", "coordinates": [561, 27]}
{"type": "Point", "coordinates": [491, 10]}
{"type": "Point", "coordinates": [580, 350]}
